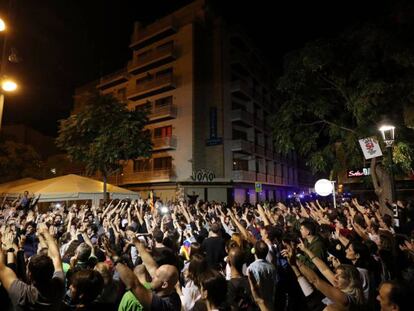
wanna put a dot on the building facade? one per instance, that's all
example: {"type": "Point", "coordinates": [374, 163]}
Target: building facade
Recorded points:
{"type": "Point", "coordinates": [209, 93]}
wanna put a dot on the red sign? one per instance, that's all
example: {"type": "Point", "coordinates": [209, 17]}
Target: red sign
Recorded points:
{"type": "Point", "coordinates": [359, 173]}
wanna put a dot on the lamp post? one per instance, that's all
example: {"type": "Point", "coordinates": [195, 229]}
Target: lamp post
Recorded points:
{"type": "Point", "coordinates": [7, 85]}
{"type": "Point", "coordinates": [388, 135]}
{"type": "Point", "coordinates": [325, 187]}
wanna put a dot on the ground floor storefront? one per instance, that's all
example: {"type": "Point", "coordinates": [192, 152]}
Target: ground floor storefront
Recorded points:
{"type": "Point", "coordinates": [219, 192]}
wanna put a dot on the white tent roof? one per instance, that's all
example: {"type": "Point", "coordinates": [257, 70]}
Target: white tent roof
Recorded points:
{"type": "Point", "coordinates": [5, 186]}
{"type": "Point", "coordinates": [71, 187]}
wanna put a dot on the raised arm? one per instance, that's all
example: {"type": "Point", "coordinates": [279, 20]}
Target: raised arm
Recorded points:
{"type": "Point", "coordinates": [131, 282]}
{"type": "Point", "coordinates": [147, 259]}
{"type": "Point", "coordinates": [318, 262]}
{"type": "Point", "coordinates": [53, 250]}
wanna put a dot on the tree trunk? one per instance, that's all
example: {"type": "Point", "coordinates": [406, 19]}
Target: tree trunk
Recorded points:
{"type": "Point", "coordinates": [381, 180]}
{"type": "Point", "coordinates": [104, 177]}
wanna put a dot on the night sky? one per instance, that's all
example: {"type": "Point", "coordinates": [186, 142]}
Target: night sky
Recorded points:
{"type": "Point", "coordinates": [64, 43]}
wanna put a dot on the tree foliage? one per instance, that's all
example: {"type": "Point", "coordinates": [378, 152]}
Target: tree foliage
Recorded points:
{"type": "Point", "coordinates": [336, 91]}
{"type": "Point", "coordinates": [18, 161]}
{"type": "Point", "coordinates": [103, 133]}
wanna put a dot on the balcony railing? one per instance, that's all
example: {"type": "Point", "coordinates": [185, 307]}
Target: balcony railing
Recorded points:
{"type": "Point", "coordinates": [242, 117]}
{"type": "Point", "coordinates": [259, 150]}
{"type": "Point", "coordinates": [241, 145]}
{"type": "Point", "coordinates": [147, 176]}
{"type": "Point", "coordinates": [151, 87]}
{"type": "Point", "coordinates": [164, 112]}
{"type": "Point", "coordinates": [113, 79]}
{"type": "Point", "coordinates": [270, 179]}
{"type": "Point", "coordinates": [261, 177]}
{"type": "Point", "coordinates": [156, 57]}
{"type": "Point", "coordinates": [269, 154]}
{"type": "Point", "coordinates": [246, 176]}
{"type": "Point", "coordinates": [164, 143]}
{"type": "Point", "coordinates": [278, 180]}
{"type": "Point", "coordinates": [259, 123]}
{"type": "Point", "coordinates": [156, 31]}
{"type": "Point", "coordinates": [241, 89]}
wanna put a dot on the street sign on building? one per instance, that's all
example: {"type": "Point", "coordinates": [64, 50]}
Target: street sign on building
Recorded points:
{"type": "Point", "coordinates": [258, 187]}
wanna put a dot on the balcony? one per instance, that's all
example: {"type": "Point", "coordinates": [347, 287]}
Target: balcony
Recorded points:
{"type": "Point", "coordinates": [270, 179]}
{"type": "Point", "coordinates": [162, 113]}
{"type": "Point", "coordinates": [152, 33]}
{"type": "Point", "coordinates": [241, 90]}
{"type": "Point", "coordinates": [261, 177]}
{"type": "Point", "coordinates": [244, 176]}
{"type": "Point", "coordinates": [164, 143]}
{"type": "Point", "coordinates": [113, 79]}
{"type": "Point", "coordinates": [151, 87]}
{"type": "Point", "coordinates": [147, 176]}
{"type": "Point", "coordinates": [241, 117]}
{"type": "Point", "coordinates": [259, 150]}
{"type": "Point", "coordinates": [259, 124]}
{"type": "Point", "coordinates": [278, 180]}
{"type": "Point", "coordinates": [269, 154]}
{"type": "Point", "coordinates": [242, 146]}
{"type": "Point", "coordinates": [155, 58]}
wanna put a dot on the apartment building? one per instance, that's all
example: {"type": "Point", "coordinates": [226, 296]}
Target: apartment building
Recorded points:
{"type": "Point", "coordinates": [209, 92]}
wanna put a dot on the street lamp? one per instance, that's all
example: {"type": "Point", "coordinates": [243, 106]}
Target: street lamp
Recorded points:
{"type": "Point", "coordinates": [2, 25]}
{"type": "Point", "coordinates": [325, 187]}
{"type": "Point", "coordinates": [388, 135]}
{"type": "Point", "coordinates": [7, 85]}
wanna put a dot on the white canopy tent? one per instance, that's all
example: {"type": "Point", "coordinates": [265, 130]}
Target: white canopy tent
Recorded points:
{"type": "Point", "coordinates": [4, 187]}
{"type": "Point", "coordinates": [71, 188]}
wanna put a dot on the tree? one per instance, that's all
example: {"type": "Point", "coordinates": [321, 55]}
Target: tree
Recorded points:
{"type": "Point", "coordinates": [336, 91]}
{"type": "Point", "coordinates": [18, 161]}
{"type": "Point", "coordinates": [102, 133]}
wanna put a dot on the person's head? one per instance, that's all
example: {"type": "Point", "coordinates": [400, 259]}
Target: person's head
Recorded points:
{"type": "Point", "coordinates": [215, 228]}
{"type": "Point", "coordinates": [30, 227]}
{"type": "Point", "coordinates": [387, 220]}
{"type": "Point", "coordinates": [26, 193]}
{"type": "Point", "coordinates": [83, 252]}
{"type": "Point", "coordinates": [158, 236]}
{"type": "Point", "coordinates": [197, 266]}
{"type": "Point", "coordinates": [40, 270]}
{"type": "Point", "coordinates": [213, 288]}
{"type": "Point", "coordinates": [393, 296]}
{"type": "Point", "coordinates": [104, 271]}
{"type": "Point", "coordinates": [358, 253]}
{"type": "Point", "coordinates": [85, 286]}
{"type": "Point", "coordinates": [341, 222]}
{"type": "Point", "coordinates": [348, 280]}
{"type": "Point", "coordinates": [195, 249]}
{"type": "Point", "coordinates": [307, 229]}
{"type": "Point", "coordinates": [261, 249]}
{"type": "Point", "coordinates": [236, 259]}
{"type": "Point", "coordinates": [165, 279]}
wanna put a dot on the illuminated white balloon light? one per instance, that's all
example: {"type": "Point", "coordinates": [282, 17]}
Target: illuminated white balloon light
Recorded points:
{"type": "Point", "coordinates": [323, 187]}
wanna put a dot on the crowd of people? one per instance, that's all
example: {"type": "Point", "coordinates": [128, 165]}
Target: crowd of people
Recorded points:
{"type": "Point", "coordinates": [137, 255]}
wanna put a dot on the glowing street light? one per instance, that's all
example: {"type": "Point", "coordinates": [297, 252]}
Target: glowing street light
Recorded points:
{"type": "Point", "coordinates": [2, 25]}
{"type": "Point", "coordinates": [9, 85]}
{"type": "Point", "coordinates": [388, 135]}
{"type": "Point", "coordinates": [325, 187]}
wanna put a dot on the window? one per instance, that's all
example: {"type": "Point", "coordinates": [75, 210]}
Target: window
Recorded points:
{"type": "Point", "coordinates": [121, 94]}
{"type": "Point", "coordinates": [146, 106]}
{"type": "Point", "coordinates": [164, 73]}
{"type": "Point", "coordinates": [166, 46]}
{"type": "Point", "coordinates": [143, 54]}
{"type": "Point", "coordinates": [163, 102]}
{"type": "Point", "coordinates": [162, 163]}
{"type": "Point", "coordinates": [239, 134]}
{"type": "Point", "coordinates": [240, 165]}
{"type": "Point", "coordinates": [148, 77]}
{"type": "Point", "coordinates": [165, 131]}
{"type": "Point", "coordinates": [142, 165]}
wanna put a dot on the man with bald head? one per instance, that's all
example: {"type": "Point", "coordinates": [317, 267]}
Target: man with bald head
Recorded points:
{"type": "Point", "coordinates": [160, 293]}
